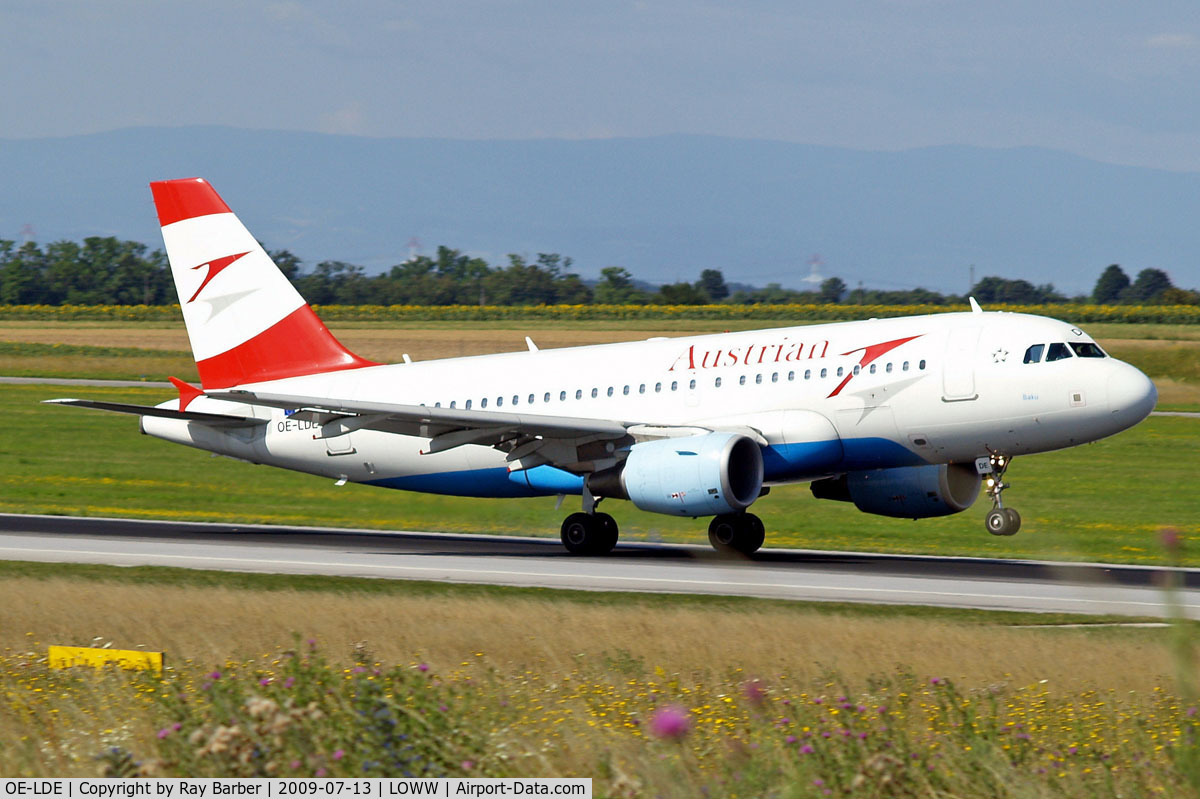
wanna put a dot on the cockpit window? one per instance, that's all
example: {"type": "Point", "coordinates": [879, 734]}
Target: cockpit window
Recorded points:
{"type": "Point", "coordinates": [1086, 349]}
{"type": "Point", "coordinates": [1057, 352]}
{"type": "Point", "coordinates": [1034, 353]}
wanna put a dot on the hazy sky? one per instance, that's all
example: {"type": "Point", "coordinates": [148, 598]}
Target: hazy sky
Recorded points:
{"type": "Point", "coordinates": [1116, 81]}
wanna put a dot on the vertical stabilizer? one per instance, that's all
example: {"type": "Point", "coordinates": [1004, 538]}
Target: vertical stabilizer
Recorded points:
{"type": "Point", "coordinates": [246, 322]}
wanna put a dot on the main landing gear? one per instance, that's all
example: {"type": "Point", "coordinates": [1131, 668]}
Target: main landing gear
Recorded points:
{"type": "Point", "coordinates": [1000, 520]}
{"type": "Point", "coordinates": [589, 533]}
{"type": "Point", "coordinates": [736, 532]}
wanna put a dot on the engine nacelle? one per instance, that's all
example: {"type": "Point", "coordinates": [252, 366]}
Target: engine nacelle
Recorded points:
{"type": "Point", "coordinates": [907, 492]}
{"type": "Point", "coordinates": [691, 476]}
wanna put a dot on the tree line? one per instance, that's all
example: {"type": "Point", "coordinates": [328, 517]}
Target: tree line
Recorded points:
{"type": "Point", "coordinates": [108, 271]}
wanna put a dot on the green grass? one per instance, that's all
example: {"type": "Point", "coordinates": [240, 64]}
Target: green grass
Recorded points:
{"type": "Point", "coordinates": [1105, 501]}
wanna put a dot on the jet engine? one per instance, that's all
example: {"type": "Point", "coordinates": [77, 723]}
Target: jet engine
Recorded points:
{"type": "Point", "coordinates": [907, 492]}
{"type": "Point", "coordinates": [691, 476]}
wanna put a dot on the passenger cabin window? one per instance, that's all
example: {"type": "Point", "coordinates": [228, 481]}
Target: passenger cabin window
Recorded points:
{"type": "Point", "coordinates": [625, 391]}
{"type": "Point", "coordinates": [499, 401]}
{"type": "Point", "coordinates": [742, 380]}
{"type": "Point", "coordinates": [483, 403]}
{"type": "Point", "coordinates": [468, 406]}
{"type": "Point", "coordinates": [717, 383]}
{"type": "Point", "coordinates": [562, 396]}
{"type": "Point", "coordinates": [544, 399]}
{"type": "Point", "coordinates": [610, 391]}
{"type": "Point", "coordinates": [674, 385]}
{"type": "Point", "coordinates": [1057, 352]}
{"type": "Point", "coordinates": [1086, 349]}
{"type": "Point", "coordinates": [1034, 353]}
{"type": "Point", "coordinates": [579, 393]}
{"type": "Point", "coordinates": [595, 393]}
{"type": "Point", "coordinates": [824, 372]}
{"type": "Point", "coordinates": [657, 388]}
{"type": "Point", "coordinates": [642, 388]}
{"type": "Point", "coordinates": [692, 384]}
{"type": "Point", "coordinates": [453, 403]}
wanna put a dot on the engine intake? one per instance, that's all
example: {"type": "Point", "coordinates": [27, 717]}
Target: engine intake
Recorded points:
{"type": "Point", "coordinates": [692, 476]}
{"type": "Point", "coordinates": [907, 492]}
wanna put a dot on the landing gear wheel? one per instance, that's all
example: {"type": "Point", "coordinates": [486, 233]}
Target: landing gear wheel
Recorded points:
{"type": "Point", "coordinates": [736, 532]}
{"type": "Point", "coordinates": [589, 534]}
{"type": "Point", "coordinates": [1003, 521]}
{"type": "Point", "coordinates": [1014, 520]}
{"type": "Point", "coordinates": [609, 533]}
{"type": "Point", "coordinates": [1000, 520]}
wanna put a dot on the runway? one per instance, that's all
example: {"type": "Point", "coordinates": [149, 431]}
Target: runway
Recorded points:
{"type": "Point", "coordinates": [777, 574]}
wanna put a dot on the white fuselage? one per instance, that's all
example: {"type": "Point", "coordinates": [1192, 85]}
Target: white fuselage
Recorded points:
{"type": "Point", "coordinates": [929, 389]}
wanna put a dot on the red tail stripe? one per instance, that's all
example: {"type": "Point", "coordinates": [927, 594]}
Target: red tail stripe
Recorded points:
{"type": "Point", "coordinates": [177, 200]}
{"type": "Point", "coordinates": [299, 344]}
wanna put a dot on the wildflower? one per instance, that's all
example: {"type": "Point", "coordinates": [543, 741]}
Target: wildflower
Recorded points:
{"type": "Point", "coordinates": [791, 739]}
{"type": "Point", "coordinates": [338, 754]}
{"type": "Point", "coordinates": [423, 667]}
{"type": "Point", "coordinates": [295, 764]}
{"type": "Point", "coordinates": [214, 676]}
{"type": "Point", "coordinates": [935, 680]}
{"type": "Point", "coordinates": [265, 681]}
{"type": "Point", "coordinates": [164, 732]}
{"type": "Point", "coordinates": [289, 682]}
{"type": "Point", "coordinates": [467, 765]}
{"type": "Point", "coordinates": [670, 722]}
{"type": "Point", "coordinates": [807, 749]}
{"type": "Point", "coordinates": [754, 692]}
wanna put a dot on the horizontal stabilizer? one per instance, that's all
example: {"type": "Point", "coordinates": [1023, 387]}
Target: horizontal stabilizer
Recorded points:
{"type": "Point", "coordinates": [213, 419]}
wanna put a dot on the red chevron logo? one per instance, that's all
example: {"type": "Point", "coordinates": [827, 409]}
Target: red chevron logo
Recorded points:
{"type": "Point", "coordinates": [214, 268]}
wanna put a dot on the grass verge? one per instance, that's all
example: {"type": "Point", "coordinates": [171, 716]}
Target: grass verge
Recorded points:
{"type": "Point", "coordinates": [649, 696]}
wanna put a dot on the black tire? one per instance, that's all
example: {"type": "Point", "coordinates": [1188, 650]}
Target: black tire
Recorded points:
{"type": "Point", "coordinates": [736, 532]}
{"type": "Point", "coordinates": [754, 535]}
{"type": "Point", "coordinates": [589, 534]}
{"type": "Point", "coordinates": [1014, 520]}
{"type": "Point", "coordinates": [997, 521]}
{"type": "Point", "coordinates": [579, 532]}
{"type": "Point", "coordinates": [723, 532]}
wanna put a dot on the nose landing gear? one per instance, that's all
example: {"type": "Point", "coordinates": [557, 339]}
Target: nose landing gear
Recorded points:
{"type": "Point", "coordinates": [999, 520]}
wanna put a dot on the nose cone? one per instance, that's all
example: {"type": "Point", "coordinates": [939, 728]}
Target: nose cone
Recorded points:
{"type": "Point", "coordinates": [1131, 395]}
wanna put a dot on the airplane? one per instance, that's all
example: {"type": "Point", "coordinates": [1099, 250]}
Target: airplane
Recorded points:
{"type": "Point", "coordinates": [907, 417]}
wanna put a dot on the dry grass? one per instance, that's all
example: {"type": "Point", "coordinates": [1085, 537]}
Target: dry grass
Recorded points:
{"type": "Point", "coordinates": [514, 633]}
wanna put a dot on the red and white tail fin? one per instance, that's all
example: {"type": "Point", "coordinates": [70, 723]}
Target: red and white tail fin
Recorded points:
{"type": "Point", "coordinates": [246, 322]}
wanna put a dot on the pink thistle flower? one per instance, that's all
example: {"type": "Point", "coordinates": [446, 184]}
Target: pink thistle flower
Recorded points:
{"type": "Point", "coordinates": [754, 692]}
{"type": "Point", "coordinates": [295, 764]}
{"type": "Point", "coordinates": [807, 749]}
{"type": "Point", "coordinates": [321, 772]}
{"type": "Point", "coordinates": [791, 739]}
{"type": "Point", "coordinates": [338, 754]}
{"type": "Point", "coordinates": [289, 682]}
{"type": "Point", "coordinates": [265, 681]}
{"type": "Point", "coordinates": [164, 732]}
{"type": "Point", "coordinates": [423, 667]}
{"type": "Point", "coordinates": [216, 675]}
{"type": "Point", "coordinates": [467, 765]}
{"type": "Point", "coordinates": [670, 722]}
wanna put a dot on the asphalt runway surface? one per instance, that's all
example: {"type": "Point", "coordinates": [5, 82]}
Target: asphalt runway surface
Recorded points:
{"type": "Point", "coordinates": [1036, 586]}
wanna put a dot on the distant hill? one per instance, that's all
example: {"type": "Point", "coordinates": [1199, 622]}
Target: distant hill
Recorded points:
{"type": "Point", "coordinates": [663, 207]}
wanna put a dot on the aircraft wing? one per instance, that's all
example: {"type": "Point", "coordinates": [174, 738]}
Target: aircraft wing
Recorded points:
{"type": "Point", "coordinates": [572, 443]}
